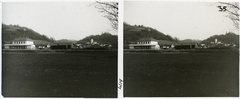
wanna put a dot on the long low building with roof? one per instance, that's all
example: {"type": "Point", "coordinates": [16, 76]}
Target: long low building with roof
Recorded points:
{"type": "Point", "coordinates": [151, 44]}
{"type": "Point", "coordinates": [187, 45]}
{"type": "Point", "coordinates": [145, 43]}
{"type": "Point", "coordinates": [62, 45]}
{"type": "Point", "coordinates": [24, 42]}
{"type": "Point", "coordinates": [21, 43]}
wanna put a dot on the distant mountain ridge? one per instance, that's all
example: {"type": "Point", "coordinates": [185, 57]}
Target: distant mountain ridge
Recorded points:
{"type": "Point", "coordinates": [189, 41]}
{"type": "Point", "coordinates": [66, 41]}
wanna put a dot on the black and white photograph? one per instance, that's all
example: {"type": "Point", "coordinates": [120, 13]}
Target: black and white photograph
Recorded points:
{"type": "Point", "coordinates": [59, 49]}
{"type": "Point", "coordinates": [119, 49]}
{"type": "Point", "coordinates": [181, 49]}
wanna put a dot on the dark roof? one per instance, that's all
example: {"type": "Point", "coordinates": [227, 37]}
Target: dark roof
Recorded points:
{"type": "Point", "coordinates": [23, 39]}
{"type": "Point", "coordinates": [58, 43]}
{"type": "Point", "coordinates": [6, 42]}
{"type": "Point", "coordinates": [40, 42]}
{"type": "Point", "coordinates": [147, 38]}
{"type": "Point", "coordinates": [165, 42]}
{"type": "Point", "coordinates": [185, 43]}
{"type": "Point", "coordinates": [36, 42]}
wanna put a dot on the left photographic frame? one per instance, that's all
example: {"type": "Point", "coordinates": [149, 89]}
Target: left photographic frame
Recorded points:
{"type": "Point", "coordinates": [60, 49]}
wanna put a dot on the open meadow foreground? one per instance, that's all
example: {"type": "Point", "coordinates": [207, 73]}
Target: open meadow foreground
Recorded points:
{"type": "Point", "coordinates": [82, 74]}
{"type": "Point", "coordinates": [188, 74]}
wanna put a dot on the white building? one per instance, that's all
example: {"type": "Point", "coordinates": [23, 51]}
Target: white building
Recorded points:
{"type": "Point", "coordinates": [145, 43]}
{"type": "Point", "coordinates": [21, 43]}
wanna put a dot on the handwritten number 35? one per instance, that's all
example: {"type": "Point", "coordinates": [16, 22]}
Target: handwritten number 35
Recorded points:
{"type": "Point", "coordinates": [222, 9]}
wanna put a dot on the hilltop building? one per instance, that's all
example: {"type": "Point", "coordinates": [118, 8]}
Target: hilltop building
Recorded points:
{"type": "Point", "coordinates": [146, 43]}
{"type": "Point", "coordinates": [92, 45]}
{"type": "Point", "coordinates": [219, 44]}
{"type": "Point", "coordinates": [21, 43]}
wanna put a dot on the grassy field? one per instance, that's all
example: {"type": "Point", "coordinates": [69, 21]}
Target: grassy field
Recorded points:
{"type": "Point", "coordinates": [83, 74]}
{"type": "Point", "coordinates": [193, 74]}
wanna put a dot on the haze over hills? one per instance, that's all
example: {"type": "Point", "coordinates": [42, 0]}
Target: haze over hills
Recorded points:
{"type": "Point", "coordinates": [190, 41]}
{"type": "Point", "coordinates": [10, 32]}
{"type": "Point", "coordinates": [66, 41]}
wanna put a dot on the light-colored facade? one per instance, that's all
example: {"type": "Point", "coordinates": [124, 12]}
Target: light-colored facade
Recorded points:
{"type": "Point", "coordinates": [145, 43]}
{"type": "Point", "coordinates": [21, 43]}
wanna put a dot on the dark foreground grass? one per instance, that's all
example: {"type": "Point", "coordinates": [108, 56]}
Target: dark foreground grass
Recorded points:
{"type": "Point", "coordinates": [194, 74]}
{"type": "Point", "coordinates": [86, 74]}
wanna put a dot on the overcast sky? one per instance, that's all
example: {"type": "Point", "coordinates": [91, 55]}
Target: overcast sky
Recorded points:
{"type": "Point", "coordinates": [60, 20]}
{"type": "Point", "coordinates": [185, 20]}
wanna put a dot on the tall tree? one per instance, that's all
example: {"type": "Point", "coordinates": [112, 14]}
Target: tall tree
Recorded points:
{"type": "Point", "coordinates": [232, 8]}
{"type": "Point", "coordinates": [110, 9]}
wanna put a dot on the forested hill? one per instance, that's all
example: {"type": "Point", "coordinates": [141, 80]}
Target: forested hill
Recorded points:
{"type": "Point", "coordinates": [104, 38]}
{"type": "Point", "coordinates": [228, 38]}
{"type": "Point", "coordinates": [10, 32]}
{"type": "Point", "coordinates": [135, 32]}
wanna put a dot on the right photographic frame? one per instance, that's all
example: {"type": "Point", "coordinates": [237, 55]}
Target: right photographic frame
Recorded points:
{"type": "Point", "coordinates": [181, 49]}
